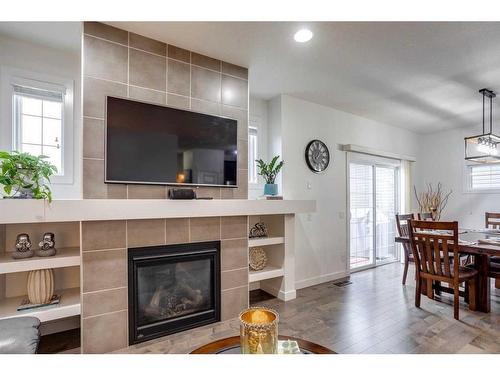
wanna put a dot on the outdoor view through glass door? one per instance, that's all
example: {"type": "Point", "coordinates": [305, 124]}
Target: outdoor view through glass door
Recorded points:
{"type": "Point", "coordinates": [373, 203]}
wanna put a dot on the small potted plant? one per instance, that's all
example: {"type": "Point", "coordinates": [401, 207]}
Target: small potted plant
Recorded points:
{"type": "Point", "coordinates": [269, 172]}
{"type": "Point", "coordinates": [25, 176]}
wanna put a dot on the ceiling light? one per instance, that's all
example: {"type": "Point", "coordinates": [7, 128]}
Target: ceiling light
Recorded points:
{"type": "Point", "coordinates": [303, 35]}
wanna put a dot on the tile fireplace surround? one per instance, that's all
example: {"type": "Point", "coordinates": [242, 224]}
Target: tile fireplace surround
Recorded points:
{"type": "Point", "coordinates": [104, 230]}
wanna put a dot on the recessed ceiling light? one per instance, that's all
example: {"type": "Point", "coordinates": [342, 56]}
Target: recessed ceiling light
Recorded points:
{"type": "Point", "coordinates": [303, 35]}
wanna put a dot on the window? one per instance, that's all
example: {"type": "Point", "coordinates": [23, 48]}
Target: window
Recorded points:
{"type": "Point", "coordinates": [484, 177]}
{"type": "Point", "coordinates": [39, 109]}
{"type": "Point", "coordinates": [38, 123]}
{"type": "Point", "coordinates": [252, 154]}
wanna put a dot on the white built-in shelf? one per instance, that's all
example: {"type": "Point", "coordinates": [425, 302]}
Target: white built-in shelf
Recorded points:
{"type": "Point", "coordinates": [65, 257]}
{"type": "Point", "coordinates": [265, 241]}
{"type": "Point", "coordinates": [269, 272]}
{"type": "Point", "coordinates": [68, 306]}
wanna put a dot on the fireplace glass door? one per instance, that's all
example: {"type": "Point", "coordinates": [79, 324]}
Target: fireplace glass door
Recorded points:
{"type": "Point", "coordinates": [173, 288]}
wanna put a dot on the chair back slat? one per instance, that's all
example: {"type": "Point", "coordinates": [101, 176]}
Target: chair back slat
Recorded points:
{"type": "Point", "coordinates": [404, 230]}
{"type": "Point", "coordinates": [432, 243]}
{"type": "Point", "coordinates": [492, 220]}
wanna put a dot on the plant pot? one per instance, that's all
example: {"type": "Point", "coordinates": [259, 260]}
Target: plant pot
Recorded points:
{"type": "Point", "coordinates": [271, 189]}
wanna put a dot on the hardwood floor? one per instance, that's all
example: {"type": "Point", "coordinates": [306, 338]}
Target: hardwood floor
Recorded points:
{"type": "Point", "coordinates": [374, 314]}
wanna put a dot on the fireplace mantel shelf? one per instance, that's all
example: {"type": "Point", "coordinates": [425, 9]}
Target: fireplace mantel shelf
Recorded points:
{"type": "Point", "coordinates": [33, 211]}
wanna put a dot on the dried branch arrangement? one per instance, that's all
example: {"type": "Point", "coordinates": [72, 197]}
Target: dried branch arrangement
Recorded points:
{"type": "Point", "coordinates": [432, 200]}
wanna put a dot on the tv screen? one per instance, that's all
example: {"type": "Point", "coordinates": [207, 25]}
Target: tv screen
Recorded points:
{"type": "Point", "coordinates": [154, 144]}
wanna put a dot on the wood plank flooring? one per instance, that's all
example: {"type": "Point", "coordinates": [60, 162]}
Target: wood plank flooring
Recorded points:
{"type": "Point", "coordinates": [374, 314]}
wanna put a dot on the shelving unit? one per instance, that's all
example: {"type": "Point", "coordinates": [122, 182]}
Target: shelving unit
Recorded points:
{"type": "Point", "coordinates": [266, 241]}
{"type": "Point", "coordinates": [68, 306]}
{"type": "Point", "coordinates": [269, 272]}
{"type": "Point", "coordinates": [66, 257]}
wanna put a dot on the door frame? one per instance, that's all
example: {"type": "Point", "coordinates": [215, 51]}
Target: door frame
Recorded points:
{"type": "Point", "coordinates": [373, 161]}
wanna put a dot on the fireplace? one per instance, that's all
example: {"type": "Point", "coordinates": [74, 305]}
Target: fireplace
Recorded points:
{"type": "Point", "coordinates": [172, 288]}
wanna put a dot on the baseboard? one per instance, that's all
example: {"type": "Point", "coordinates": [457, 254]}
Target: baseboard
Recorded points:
{"type": "Point", "coordinates": [320, 279]}
{"type": "Point", "coordinates": [284, 296]}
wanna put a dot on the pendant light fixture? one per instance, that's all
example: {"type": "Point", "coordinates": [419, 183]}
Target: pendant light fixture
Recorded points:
{"type": "Point", "coordinates": [484, 148]}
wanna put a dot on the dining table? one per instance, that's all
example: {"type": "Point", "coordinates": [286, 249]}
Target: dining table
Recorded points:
{"type": "Point", "coordinates": [482, 244]}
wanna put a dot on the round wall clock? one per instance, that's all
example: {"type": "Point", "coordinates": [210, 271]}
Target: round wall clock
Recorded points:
{"type": "Point", "coordinates": [317, 156]}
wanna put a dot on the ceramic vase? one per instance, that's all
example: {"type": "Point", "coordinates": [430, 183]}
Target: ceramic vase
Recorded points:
{"type": "Point", "coordinates": [271, 189]}
{"type": "Point", "coordinates": [40, 286]}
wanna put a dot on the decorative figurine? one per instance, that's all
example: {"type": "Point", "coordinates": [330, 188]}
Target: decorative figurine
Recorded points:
{"type": "Point", "coordinates": [23, 247]}
{"type": "Point", "coordinates": [47, 245]}
{"type": "Point", "coordinates": [257, 259]}
{"type": "Point", "coordinates": [258, 230]}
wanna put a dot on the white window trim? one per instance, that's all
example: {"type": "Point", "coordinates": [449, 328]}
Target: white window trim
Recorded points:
{"type": "Point", "coordinates": [468, 182]}
{"type": "Point", "coordinates": [8, 140]}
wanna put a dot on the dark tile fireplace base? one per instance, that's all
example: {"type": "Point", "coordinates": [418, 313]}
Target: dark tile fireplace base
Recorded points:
{"type": "Point", "coordinates": [172, 288]}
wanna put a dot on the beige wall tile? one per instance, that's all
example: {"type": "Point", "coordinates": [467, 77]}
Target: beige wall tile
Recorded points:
{"type": "Point", "coordinates": [205, 84]}
{"type": "Point", "coordinates": [147, 44]}
{"type": "Point", "coordinates": [94, 95]}
{"type": "Point", "coordinates": [203, 106]}
{"type": "Point", "coordinates": [238, 114]}
{"type": "Point", "coordinates": [105, 333]}
{"type": "Point", "coordinates": [234, 227]}
{"type": "Point", "coordinates": [179, 53]}
{"type": "Point", "coordinates": [147, 95]}
{"type": "Point", "coordinates": [205, 61]}
{"type": "Point", "coordinates": [208, 192]}
{"type": "Point", "coordinates": [242, 191]}
{"type": "Point", "coordinates": [234, 70]}
{"type": "Point", "coordinates": [103, 59]}
{"type": "Point", "coordinates": [234, 279]}
{"type": "Point", "coordinates": [234, 254]}
{"type": "Point", "coordinates": [234, 91]}
{"type": "Point", "coordinates": [105, 31]}
{"type": "Point", "coordinates": [205, 228]}
{"type": "Point", "coordinates": [104, 269]}
{"type": "Point", "coordinates": [99, 235]}
{"type": "Point", "coordinates": [242, 154]}
{"type": "Point", "coordinates": [145, 232]}
{"type": "Point", "coordinates": [178, 81]}
{"type": "Point", "coordinates": [177, 231]}
{"type": "Point", "coordinates": [102, 302]}
{"type": "Point", "coordinates": [233, 301]}
{"type": "Point", "coordinates": [93, 138]}
{"type": "Point", "coordinates": [93, 182]}
{"type": "Point", "coordinates": [178, 101]}
{"type": "Point", "coordinates": [147, 70]}
{"type": "Point", "coordinates": [147, 192]}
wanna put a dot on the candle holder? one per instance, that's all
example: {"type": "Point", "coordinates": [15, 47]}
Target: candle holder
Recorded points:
{"type": "Point", "coordinates": [259, 331]}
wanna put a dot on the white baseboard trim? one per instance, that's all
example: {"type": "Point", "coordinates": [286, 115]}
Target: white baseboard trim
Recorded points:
{"type": "Point", "coordinates": [284, 296]}
{"type": "Point", "coordinates": [321, 279]}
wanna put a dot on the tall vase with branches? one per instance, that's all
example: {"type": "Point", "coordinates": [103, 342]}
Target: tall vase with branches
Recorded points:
{"type": "Point", "coordinates": [432, 200]}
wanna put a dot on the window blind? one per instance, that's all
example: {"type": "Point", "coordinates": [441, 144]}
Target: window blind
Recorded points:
{"type": "Point", "coordinates": [485, 177]}
{"type": "Point", "coordinates": [37, 93]}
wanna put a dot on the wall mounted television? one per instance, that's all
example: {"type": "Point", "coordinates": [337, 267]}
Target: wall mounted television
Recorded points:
{"type": "Point", "coordinates": [155, 144]}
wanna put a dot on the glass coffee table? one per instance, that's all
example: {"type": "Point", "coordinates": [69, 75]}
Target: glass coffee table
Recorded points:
{"type": "Point", "coordinates": [231, 345]}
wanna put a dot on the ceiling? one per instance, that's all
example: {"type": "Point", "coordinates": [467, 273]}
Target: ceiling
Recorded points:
{"type": "Point", "coordinates": [420, 76]}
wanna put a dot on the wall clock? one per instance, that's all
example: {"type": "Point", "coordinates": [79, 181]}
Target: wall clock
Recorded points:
{"type": "Point", "coordinates": [317, 156]}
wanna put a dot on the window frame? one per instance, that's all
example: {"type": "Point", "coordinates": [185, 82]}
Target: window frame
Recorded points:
{"type": "Point", "coordinates": [468, 181]}
{"type": "Point", "coordinates": [252, 128]}
{"type": "Point", "coordinates": [9, 132]}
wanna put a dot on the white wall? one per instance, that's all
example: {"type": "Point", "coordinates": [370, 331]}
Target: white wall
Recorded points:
{"type": "Point", "coordinates": [44, 60]}
{"type": "Point", "coordinates": [321, 241]}
{"type": "Point", "coordinates": [441, 159]}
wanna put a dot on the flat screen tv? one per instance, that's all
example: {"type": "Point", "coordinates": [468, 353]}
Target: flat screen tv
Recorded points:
{"type": "Point", "coordinates": [154, 144]}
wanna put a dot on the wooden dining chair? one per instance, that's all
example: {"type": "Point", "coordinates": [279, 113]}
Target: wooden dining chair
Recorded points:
{"type": "Point", "coordinates": [492, 221]}
{"type": "Point", "coordinates": [402, 225]}
{"type": "Point", "coordinates": [432, 250]}
{"type": "Point", "coordinates": [427, 216]}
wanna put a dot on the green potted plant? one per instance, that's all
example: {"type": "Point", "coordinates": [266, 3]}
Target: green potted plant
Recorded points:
{"type": "Point", "coordinates": [25, 176]}
{"type": "Point", "coordinates": [269, 172]}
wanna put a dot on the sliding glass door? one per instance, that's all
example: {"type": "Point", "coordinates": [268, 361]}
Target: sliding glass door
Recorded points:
{"type": "Point", "coordinates": [373, 203]}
